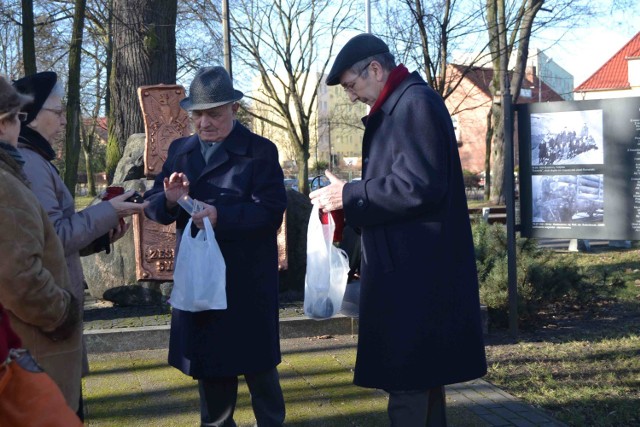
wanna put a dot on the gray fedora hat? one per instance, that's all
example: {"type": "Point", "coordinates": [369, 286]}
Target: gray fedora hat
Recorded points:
{"type": "Point", "coordinates": [211, 87]}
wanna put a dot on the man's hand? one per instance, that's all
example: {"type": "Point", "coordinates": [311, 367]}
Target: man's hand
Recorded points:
{"type": "Point", "coordinates": [210, 212]}
{"type": "Point", "coordinates": [328, 198]}
{"type": "Point", "coordinates": [176, 186]}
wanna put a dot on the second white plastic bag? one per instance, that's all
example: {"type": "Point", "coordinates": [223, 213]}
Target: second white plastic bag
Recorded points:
{"type": "Point", "coordinates": [327, 270]}
{"type": "Point", "coordinates": [199, 277]}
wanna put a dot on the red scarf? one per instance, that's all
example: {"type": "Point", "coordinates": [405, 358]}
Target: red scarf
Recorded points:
{"type": "Point", "coordinates": [396, 77]}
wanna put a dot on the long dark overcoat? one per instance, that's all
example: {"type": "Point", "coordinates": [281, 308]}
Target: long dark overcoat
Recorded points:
{"type": "Point", "coordinates": [420, 321]}
{"type": "Point", "coordinates": [243, 179]}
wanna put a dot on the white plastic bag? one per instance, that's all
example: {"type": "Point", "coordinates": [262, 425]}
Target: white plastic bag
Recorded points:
{"type": "Point", "coordinates": [199, 277]}
{"type": "Point", "coordinates": [327, 270]}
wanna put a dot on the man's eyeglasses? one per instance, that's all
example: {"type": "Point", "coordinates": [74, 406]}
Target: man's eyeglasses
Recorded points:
{"type": "Point", "coordinates": [22, 116]}
{"type": "Point", "coordinates": [348, 87]}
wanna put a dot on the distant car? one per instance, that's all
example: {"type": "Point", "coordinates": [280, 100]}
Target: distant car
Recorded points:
{"type": "Point", "coordinates": [291, 184]}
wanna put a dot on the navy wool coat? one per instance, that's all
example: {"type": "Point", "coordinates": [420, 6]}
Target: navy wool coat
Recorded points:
{"type": "Point", "coordinates": [419, 305]}
{"type": "Point", "coordinates": [244, 181]}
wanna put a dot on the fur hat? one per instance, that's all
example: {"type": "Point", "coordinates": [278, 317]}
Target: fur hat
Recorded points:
{"type": "Point", "coordinates": [211, 87]}
{"type": "Point", "coordinates": [39, 86]}
{"type": "Point", "coordinates": [358, 48]}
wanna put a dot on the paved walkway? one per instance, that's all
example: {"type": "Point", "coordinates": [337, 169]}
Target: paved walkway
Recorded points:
{"type": "Point", "coordinates": [131, 384]}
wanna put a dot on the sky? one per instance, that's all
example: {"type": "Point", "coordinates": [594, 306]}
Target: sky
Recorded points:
{"type": "Point", "coordinates": [582, 51]}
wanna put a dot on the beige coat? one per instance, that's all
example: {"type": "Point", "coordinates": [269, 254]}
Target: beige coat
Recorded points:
{"type": "Point", "coordinates": [76, 230]}
{"type": "Point", "coordinates": [32, 275]}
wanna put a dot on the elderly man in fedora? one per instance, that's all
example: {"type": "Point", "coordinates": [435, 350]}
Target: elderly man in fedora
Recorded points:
{"type": "Point", "coordinates": [237, 176]}
{"type": "Point", "coordinates": [419, 318]}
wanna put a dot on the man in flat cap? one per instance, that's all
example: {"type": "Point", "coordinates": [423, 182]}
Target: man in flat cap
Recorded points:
{"type": "Point", "coordinates": [419, 324]}
{"type": "Point", "coordinates": [237, 176]}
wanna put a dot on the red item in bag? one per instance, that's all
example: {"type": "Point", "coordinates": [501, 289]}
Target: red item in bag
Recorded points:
{"type": "Point", "coordinates": [112, 192]}
{"type": "Point", "coordinates": [338, 220]}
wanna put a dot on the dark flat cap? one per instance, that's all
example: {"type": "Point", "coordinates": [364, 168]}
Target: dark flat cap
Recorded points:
{"type": "Point", "coordinates": [358, 48]}
{"type": "Point", "coordinates": [39, 86]}
{"type": "Point", "coordinates": [211, 87]}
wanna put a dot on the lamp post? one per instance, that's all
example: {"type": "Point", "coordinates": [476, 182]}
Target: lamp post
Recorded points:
{"type": "Point", "coordinates": [226, 34]}
{"type": "Point", "coordinates": [508, 183]}
{"type": "Point", "coordinates": [367, 7]}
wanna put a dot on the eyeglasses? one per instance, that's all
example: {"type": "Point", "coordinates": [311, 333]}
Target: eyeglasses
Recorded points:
{"type": "Point", "coordinates": [348, 87]}
{"type": "Point", "coordinates": [59, 112]}
{"type": "Point", "coordinates": [22, 116]}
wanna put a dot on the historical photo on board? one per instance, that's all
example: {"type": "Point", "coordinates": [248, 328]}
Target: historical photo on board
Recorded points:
{"type": "Point", "coordinates": [567, 138]}
{"type": "Point", "coordinates": [568, 199]}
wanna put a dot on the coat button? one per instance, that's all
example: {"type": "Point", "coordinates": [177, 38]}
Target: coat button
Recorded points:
{"type": "Point", "coordinates": [360, 203]}
{"type": "Point", "coordinates": [366, 160]}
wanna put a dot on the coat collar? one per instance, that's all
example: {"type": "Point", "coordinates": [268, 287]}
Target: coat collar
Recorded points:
{"type": "Point", "coordinates": [237, 143]}
{"type": "Point", "coordinates": [391, 102]}
{"type": "Point", "coordinates": [33, 140]}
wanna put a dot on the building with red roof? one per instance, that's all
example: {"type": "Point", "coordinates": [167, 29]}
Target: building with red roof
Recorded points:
{"type": "Point", "coordinates": [619, 77]}
{"type": "Point", "coordinates": [469, 104]}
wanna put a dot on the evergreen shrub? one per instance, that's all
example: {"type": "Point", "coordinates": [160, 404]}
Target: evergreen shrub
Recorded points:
{"type": "Point", "coordinates": [544, 279]}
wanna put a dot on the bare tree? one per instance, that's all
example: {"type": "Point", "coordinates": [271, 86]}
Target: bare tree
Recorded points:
{"type": "Point", "coordinates": [144, 53]}
{"type": "Point", "coordinates": [424, 34]}
{"type": "Point", "coordinates": [510, 25]}
{"type": "Point", "coordinates": [289, 44]}
{"type": "Point", "coordinates": [10, 40]}
{"type": "Point", "coordinates": [72, 131]}
{"type": "Point", "coordinates": [431, 31]}
{"type": "Point", "coordinates": [198, 20]}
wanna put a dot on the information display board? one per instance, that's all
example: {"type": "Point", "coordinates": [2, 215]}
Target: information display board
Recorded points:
{"type": "Point", "coordinates": [580, 169]}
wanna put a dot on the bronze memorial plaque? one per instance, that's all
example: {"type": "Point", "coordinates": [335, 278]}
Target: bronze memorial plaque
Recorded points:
{"type": "Point", "coordinates": [164, 122]}
{"type": "Point", "coordinates": [155, 249]}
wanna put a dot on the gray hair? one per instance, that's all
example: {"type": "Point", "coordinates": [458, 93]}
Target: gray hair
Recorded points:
{"type": "Point", "coordinates": [386, 60]}
{"type": "Point", "coordinates": [57, 91]}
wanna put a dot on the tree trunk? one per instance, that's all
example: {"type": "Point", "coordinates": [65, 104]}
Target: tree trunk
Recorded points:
{"type": "Point", "coordinates": [144, 53]}
{"type": "Point", "coordinates": [302, 157]}
{"type": "Point", "coordinates": [108, 60]}
{"type": "Point", "coordinates": [487, 156]}
{"type": "Point", "coordinates": [28, 39]}
{"type": "Point", "coordinates": [72, 134]}
{"type": "Point", "coordinates": [91, 181]}
{"type": "Point", "coordinates": [497, 154]}
{"type": "Point", "coordinates": [87, 147]}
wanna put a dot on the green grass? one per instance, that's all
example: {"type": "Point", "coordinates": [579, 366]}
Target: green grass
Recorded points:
{"type": "Point", "coordinates": [608, 265]}
{"type": "Point", "coordinates": [583, 363]}
{"type": "Point", "coordinates": [139, 389]}
{"type": "Point", "coordinates": [82, 202]}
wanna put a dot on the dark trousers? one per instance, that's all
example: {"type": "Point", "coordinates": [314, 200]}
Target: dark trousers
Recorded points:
{"type": "Point", "coordinates": [418, 408]}
{"type": "Point", "coordinates": [218, 399]}
{"type": "Point", "coordinates": [80, 412]}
